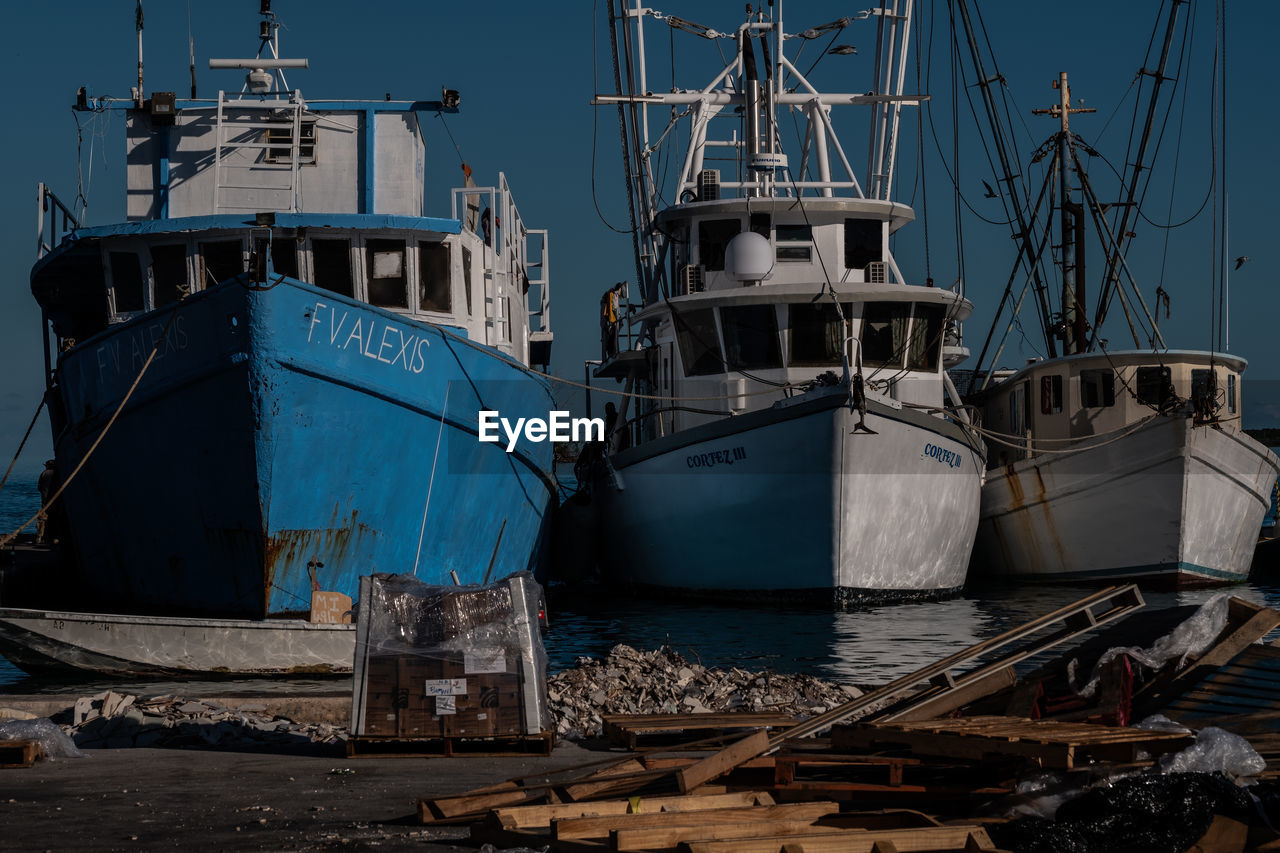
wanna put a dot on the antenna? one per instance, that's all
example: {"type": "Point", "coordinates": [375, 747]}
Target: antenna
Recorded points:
{"type": "Point", "coordinates": [139, 96]}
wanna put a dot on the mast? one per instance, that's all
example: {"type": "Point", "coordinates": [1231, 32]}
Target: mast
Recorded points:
{"type": "Point", "coordinates": [1074, 326]}
{"type": "Point", "coordinates": [1111, 275]}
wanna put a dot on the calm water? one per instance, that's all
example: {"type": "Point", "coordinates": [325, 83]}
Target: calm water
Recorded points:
{"type": "Point", "coordinates": [867, 646]}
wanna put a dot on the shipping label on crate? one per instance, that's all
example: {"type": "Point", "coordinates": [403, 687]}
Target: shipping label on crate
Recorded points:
{"type": "Point", "coordinates": [478, 661]}
{"type": "Point", "coordinates": [446, 687]}
{"type": "Point", "coordinates": [446, 705]}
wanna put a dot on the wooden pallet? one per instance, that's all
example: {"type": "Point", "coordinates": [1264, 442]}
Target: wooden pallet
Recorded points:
{"type": "Point", "coordinates": [628, 731]}
{"type": "Point", "coordinates": [19, 753]}
{"type": "Point", "coordinates": [1048, 743]}
{"type": "Point", "coordinates": [390, 747]}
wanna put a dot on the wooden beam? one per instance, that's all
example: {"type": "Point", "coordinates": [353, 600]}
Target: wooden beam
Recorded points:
{"type": "Point", "coordinates": [602, 825]}
{"type": "Point", "coordinates": [905, 840]}
{"type": "Point", "coordinates": [523, 817]}
{"type": "Point", "coordinates": [723, 761]}
{"type": "Point", "coordinates": [961, 695]}
{"type": "Point", "coordinates": [663, 837]}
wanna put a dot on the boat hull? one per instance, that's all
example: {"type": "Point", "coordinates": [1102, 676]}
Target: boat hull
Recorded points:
{"type": "Point", "coordinates": [39, 641]}
{"type": "Point", "coordinates": [287, 439]}
{"type": "Point", "coordinates": [792, 503]}
{"type": "Point", "coordinates": [1171, 503]}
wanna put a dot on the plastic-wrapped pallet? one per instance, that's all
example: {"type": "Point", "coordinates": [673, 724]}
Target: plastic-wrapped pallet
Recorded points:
{"type": "Point", "coordinates": [449, 661]}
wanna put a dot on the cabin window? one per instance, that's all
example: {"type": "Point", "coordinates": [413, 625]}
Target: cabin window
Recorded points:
{"type": "Point", "coordinates": [713, 238]}
{"type": "Point", "coordinates": [1050, 395]}
{"type": "Point", "coordinates": [1018, 410]}
{"type": "Point", "coordinates": [1231, 393]}
{"type": "Point", "coordinates": [1204, 385]}
{"type": "Point", "coordinates": [169, 273]}
{"type": "Point", "coordinates": [699, 343]}
{"type": "Point", "coordinates": [506, 308]}
{"type": "Point", "coordinates": [331, 265]}
{"type": "Point", "coordinates": [1155, 385]}
{"type": "Point", "coordinates": [126, 282]}
{"type": "Point", "coordinates": [284, 256]}
{"type": "Point", "coordinates": [761, 223]}
{"type": "Point", "coordinates": [817, 335]}
{"type": "Point", "coordinates": [1097, 389]}
{"type": "Point", "coordinates": [281, 140]}
{"type": "Point", "coordinates": [435, 288]}
{"type": "Point", "coordinates": [220, 261]}
{"type": "Point", "coordinates": [861, 242]}
{"type": "Point", "coordinates": [884, 333]}
{"type": "Point", "coordinates": [388, 284]}
{"type": "Point", "coordinates": [926, 337]}
{"type": "Point", "coordinates": [795, 243]}
{"type": "Point", "coordinates": [466, 276]}
{"type": "Point", "coordinates": [751, 337]}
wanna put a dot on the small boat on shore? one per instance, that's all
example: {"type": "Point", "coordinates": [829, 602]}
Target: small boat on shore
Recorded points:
{"type": "Point", "coordinates": [266, 382]}
{"type": "Point", "coordinates": [57, 642]}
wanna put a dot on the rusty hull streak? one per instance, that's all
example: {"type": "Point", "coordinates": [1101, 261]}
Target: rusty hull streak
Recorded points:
{"type": "Point", "coordinates": [291, 548]}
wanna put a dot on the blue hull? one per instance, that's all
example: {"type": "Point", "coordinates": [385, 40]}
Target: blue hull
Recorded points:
{"type": "Point", "coordinates": [289, 439]}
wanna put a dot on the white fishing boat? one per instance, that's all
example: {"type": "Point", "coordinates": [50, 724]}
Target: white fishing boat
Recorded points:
{"type": "Point", "coordinates": [785, 432]}
{"type": "Point", "coordinates": [51, 641]}
{"type": "Point", "coordinates": [1110, 464]}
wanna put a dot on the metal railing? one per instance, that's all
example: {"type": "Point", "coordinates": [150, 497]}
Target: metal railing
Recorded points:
{"type": "Point", "coordinates": [49, 228]}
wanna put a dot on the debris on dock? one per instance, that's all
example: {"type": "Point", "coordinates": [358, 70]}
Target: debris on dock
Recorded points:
{"type": "Point", "coordinates": [632, 682]}
{"type": "Point", "coordinates": [114, 720]}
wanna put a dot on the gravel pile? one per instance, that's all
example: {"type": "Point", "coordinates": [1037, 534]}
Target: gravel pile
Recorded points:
{"type": "Point", "coordinates": [628, 681]}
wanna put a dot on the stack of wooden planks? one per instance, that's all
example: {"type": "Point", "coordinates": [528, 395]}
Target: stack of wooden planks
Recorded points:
{"type": "Point", "coordinates": [19, 753]}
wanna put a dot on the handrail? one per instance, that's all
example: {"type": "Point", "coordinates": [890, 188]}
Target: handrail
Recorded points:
{"type": "Point", "coordinates": [48, 203]}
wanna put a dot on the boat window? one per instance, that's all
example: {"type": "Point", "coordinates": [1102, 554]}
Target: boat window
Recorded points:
{"type": "Point", "coordinates": [884, 333]}
{"type": "Point", "coordinates": [699, 343]}
{"type": "Point", "coordinates": [926, 337]}
{"type": "Point", "coordinates": [1018, 409]}
{"type": "Point", "coordinates": [751, 336]}
{"type": "Point", "coordinates": [331, 265]}
{"type": "Point", "coordinates": [817, 335]}
{"type": "Point", "coordinates": [1231, 393]}
{"type": "Point", "coordinates": [1097, 389]}
{"type": "Point", "coordinates": [284, 256]}
{"type": "Point", "coordinates": [713, 238]}
{"type": "Point", "coordinates": [126, 282]}
{"type": "Point", "coordinates": [1155, 386]}
{"type": "Point", "coordinates": [1204, 385]}
{"type": "Point", "coordinates": [435, 289]}
{"type": "Point", "coordinates": [283, 137]}
{"type": "Point", "coordinates": [220, 261]}
{"type": "Point", "coordinates": [1050, 394]}
{"type": "Point", "coordinates": [506, 308]}
{"type": "Point", "coordinates": [466, 276]}
{"type": "Point", "coordinates": [861, 242]}
{"type": "Point", "coordinates": [761, 223]}
{"type": "Point", "coordinates": [169, 273]}
{"type": "Point", "coordinates": [795, 243]}
{"type": "Point", "coordinates": [388, 284]}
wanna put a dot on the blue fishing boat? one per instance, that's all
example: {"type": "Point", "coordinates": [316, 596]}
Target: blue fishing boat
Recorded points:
{"type": "Point", "coordinates": [266, 382]}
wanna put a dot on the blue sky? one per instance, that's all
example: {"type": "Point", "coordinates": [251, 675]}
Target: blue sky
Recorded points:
{"type": "Point", "coordinates": [525, 73]}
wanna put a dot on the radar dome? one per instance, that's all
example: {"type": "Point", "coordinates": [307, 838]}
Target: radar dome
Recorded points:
{"type": "Point", "coordinates": [748, 257]}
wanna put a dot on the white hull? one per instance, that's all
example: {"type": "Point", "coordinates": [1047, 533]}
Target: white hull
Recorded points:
{"type": "Point", "coordinates": [791, 503]}
{"type": "Point", "coordinates": [1171, 502]}
{"type": "Point", "coordinates": [44, 640]}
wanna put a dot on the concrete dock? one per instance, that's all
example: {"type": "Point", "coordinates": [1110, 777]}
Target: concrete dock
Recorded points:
{"type": "Point", "coordinates": [191, 799]}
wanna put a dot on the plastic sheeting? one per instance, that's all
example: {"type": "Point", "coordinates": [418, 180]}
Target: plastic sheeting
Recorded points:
{"type": "Point", "coordinates": [1216, 751]}
{"type": "Point", "coordinates": [451, 642]}
{"type": "Point", "coordinates": [1138, 814]}
{"type": "Point", "coordinates": [1192, 638]}
{"type": "Point", "coordinates": [52, 739]}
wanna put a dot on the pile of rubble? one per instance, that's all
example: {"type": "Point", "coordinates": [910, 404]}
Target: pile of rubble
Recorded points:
{"type": "Point", "coordinates": [110, 720]}
{"type": "Point", "coordinates": [628, 681]}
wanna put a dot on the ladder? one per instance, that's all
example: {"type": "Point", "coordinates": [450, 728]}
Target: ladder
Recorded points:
{"type": "Point", "coordinates": [250, 181]}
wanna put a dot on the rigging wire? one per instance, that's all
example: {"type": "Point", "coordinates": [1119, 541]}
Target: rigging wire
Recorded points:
{"type": "Point", "coordinates": [595, 121]}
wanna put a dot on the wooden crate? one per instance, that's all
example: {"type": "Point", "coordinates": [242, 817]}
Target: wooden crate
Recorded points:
{"type": "Point", "coordinates": [19, 753]}
{"type": "Point", "coordinates": [393, 747]}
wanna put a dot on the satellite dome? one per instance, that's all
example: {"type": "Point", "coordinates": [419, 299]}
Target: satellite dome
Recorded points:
{"type": "Point", "coordinates": [748, 257]}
